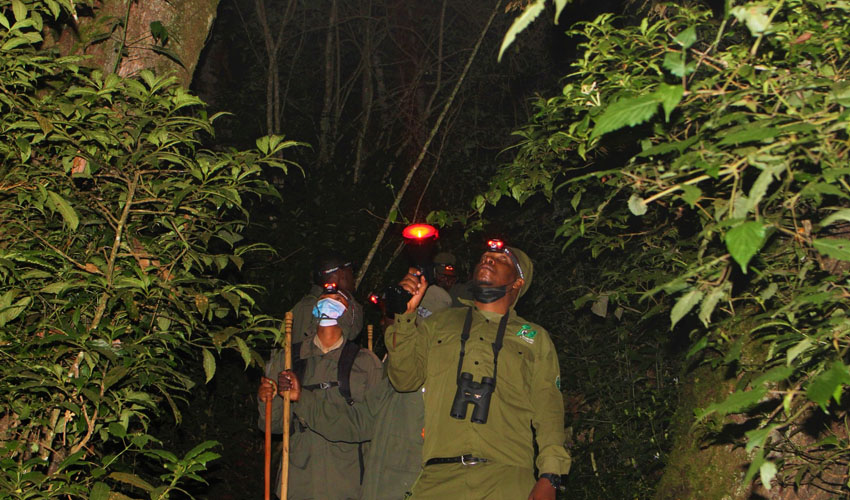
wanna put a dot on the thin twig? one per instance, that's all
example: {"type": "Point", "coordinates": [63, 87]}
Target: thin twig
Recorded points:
{"type": "Point", "coordinates": [424, 149]}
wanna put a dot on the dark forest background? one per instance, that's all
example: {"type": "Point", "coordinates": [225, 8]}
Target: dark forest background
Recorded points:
{"type": "Point", "coordinates": [677, 172]}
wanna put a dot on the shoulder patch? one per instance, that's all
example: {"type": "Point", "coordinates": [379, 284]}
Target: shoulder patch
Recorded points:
{"type": "Point", "coordinates": [526, 333]}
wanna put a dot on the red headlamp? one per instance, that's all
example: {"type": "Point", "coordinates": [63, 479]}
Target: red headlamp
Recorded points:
{"type": "Point", "coordinates": [496, 245]}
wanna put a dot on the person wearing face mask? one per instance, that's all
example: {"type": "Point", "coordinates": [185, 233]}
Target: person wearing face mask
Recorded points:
{"type": "Point", "coordinates": [491, 388]}
{"type": "Point", "coordinates": [337, 372]}
{"type": "Point", "coordinates": [329, 267]}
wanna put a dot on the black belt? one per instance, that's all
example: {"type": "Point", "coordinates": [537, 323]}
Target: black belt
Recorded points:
{"type": "Point", "coordinates": [463, 459]}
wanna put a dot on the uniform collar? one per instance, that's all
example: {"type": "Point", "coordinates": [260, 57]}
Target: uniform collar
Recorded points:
{"type": "Point", "coordinates": [487, 314]}
{"type": "Point", "coordinates": [318, 344]}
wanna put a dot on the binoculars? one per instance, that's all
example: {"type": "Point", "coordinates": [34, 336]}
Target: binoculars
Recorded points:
{"type": "Point", "coordinates": [475, 393]}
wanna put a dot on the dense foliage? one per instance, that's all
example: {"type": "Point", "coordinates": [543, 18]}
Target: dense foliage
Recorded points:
{"type": "Point", "coordinates": [116, 231]}
{"type": "Point", "coordinates": [699, 159]}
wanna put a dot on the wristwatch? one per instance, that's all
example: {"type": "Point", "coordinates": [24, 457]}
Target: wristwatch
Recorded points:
{"type": "Point", "coordinates": [555, 479]}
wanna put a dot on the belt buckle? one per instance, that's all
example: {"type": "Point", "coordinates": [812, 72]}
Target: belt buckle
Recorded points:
{"type": "Point", "coordinates": [471, 461]}
{"type": "Point", "coordinates": [325, 385]}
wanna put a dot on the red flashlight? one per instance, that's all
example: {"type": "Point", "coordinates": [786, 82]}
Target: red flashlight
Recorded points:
{"type": "Point", "coordinates": [419, 232]}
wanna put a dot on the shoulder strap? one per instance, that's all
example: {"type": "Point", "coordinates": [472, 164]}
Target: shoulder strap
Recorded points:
{"type": "Point", "coordinates": [343, 373]}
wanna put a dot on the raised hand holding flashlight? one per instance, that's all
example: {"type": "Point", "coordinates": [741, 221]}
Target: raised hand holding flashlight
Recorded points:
{"type": "Point", "coordinates": [415, 284]}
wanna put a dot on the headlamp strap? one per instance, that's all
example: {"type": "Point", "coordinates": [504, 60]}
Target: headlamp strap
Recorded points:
{"type": "Point", "coordinates": [497, 345]}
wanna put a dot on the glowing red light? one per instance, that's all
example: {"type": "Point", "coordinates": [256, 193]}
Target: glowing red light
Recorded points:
{"type": "Point", "coordinates": [373, 298]}
{"type": "Point", "coordinates": [419, 231]}
{"type": "Point", "coordinates": [496, 244]}
{"type": "Point", "coordinates": [450, 268]}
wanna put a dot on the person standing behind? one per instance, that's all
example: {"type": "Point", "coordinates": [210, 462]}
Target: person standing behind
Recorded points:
{"type": "Point", "coordinates": [506, 368]}
{"type": "Point", "coordinates": [321, 468]}
{"type": "Point", "coordinates": [329, 267]}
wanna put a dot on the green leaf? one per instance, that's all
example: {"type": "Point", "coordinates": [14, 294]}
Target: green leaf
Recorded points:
{"type": "Point", "coordinates": [843, 214]}
{"type": "Point", "coordinates": [776, 374]}
{"type": "Point", "coordinates": [244, 351]}
{"type": "Point", "coordinates": [12, 311]}
{"type": "Point", "coordinates": [828, 384]}
{"type": "Point", "coordinates": [520, 23]}
{"type": "Point", "coordinates": [710, 302]}
{"type": "Point", "coordinates": [636, 204]}
{"type": "Point", "coordinates": [759, 188]}
{"type": "Point", "coordinates": [736, 402]}
{"type": "Point", "coordinates": [25, 147]}
{"type": "Point", "coordinates": [749, 134]}
{"type": "Point", "coordinates": [840, 93]}
{"type": "Point", "coordinates": [691, 194]}
{"type": "Point", "coordinates": [19, 9]}
{"type": "Point", "coordinates": [755, 465]}
{"type": "Point", "coordinates": [744, 241]}
{"type": "Point", "coordinates": [625, 112]}
{"type": "Point", "coordinates": [559, 7]}
{"type": "Point", "coordinates": [100, 491]}
{"type": "Point", "coordinates": [684, 305]}
{"type": "Point", "coordinates": [670, 97]}
{"type": "Point", "coordinates": [209, 364]}
{"type": "Point", "coordinates": [767, 472]}
{"type": "Point", "coordinates": [263, 144]}
{"type": "Point", "coordinates": [700, 345]}
{"type": "Point", "coordinates": [798, 349]}
{"type": "Point", "coordinates": [754, 15]}
{"type": "Point", "coordinates": [757, 437]}
{"type": "Point", "coordinates": [675, 63]}
{"type": "Point", "coordinates": [132, 480]}
{"type": "Point", "coordinates": [159, 33]}
{"type": "Point", "coordinates": [687, 37]}
{"type": "Point", "coordinates": [65, 209]}
{"type": "Point", "coordinates": [833, 247]}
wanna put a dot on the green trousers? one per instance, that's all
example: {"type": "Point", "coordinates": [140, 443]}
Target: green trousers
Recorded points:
{"type": "Point", "coordinates": [485, 481]}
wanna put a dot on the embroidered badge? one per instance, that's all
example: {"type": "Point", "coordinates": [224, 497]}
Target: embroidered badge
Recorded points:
{"type": "Point", "coordinates": [526, 333]}
{"type": "Point", "coordinates": [558, 382]}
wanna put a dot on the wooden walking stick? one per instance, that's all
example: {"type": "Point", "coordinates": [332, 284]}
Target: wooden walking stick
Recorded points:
{"type": "Point", "coordinates": [287, 345]}
{"type": "Point", "coordinates": [268, 448]}
{"type": "Point", "coordinates": [369, 337]}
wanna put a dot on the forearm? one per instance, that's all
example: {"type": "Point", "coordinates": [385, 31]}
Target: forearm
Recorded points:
{"type": "Point", "coordinates": [407, 355]}
{"type": "Point", "coordinates": [548, 418]}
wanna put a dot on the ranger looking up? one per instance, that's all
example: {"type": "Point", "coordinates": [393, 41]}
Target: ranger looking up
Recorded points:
{"type": "Point", "coordinates": [329, 267]}
{"type": "Point", "coordinates": [484, 356]}
{"type": "Point", "coordinates": [340, 373]}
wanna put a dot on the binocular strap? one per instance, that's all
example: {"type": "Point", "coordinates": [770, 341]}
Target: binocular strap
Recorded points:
{"type": "Point", "coordinates": [497, 345]}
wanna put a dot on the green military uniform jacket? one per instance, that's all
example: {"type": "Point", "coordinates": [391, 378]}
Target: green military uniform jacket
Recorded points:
{"type": "Point", "coordinates": [321, 467]}
{"type": "Point", "coordinates": [527, 393]}
{"type": "Point", "coordinates": [394, 423]}
{"type": "Point", "coordinates": [304, 324]}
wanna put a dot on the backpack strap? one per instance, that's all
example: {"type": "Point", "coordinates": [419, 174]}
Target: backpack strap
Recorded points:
{"type": "Point", "coordinates": [299, 366]}
{"type": "Point", "coordinates": [343, 374]}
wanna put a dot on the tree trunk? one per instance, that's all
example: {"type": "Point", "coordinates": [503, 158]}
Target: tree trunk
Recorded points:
{"type": "Point", "coordinates": [330, 78]}
{"type": "Point", "coordinates": [120, 37]}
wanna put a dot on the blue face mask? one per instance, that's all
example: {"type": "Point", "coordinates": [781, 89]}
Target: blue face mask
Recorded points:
{"type": "Point", "coordinates": [328, 310]}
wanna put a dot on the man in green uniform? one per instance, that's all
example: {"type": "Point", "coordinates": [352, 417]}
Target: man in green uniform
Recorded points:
{"type": "Point", "coordinates": [392, 421]}
{"type": "Point", "coordinates": [322, 468]}
{"type": "Point", "coordinates": [328, 268]}
{"type": "Point", "coordinates": [489, 378]}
